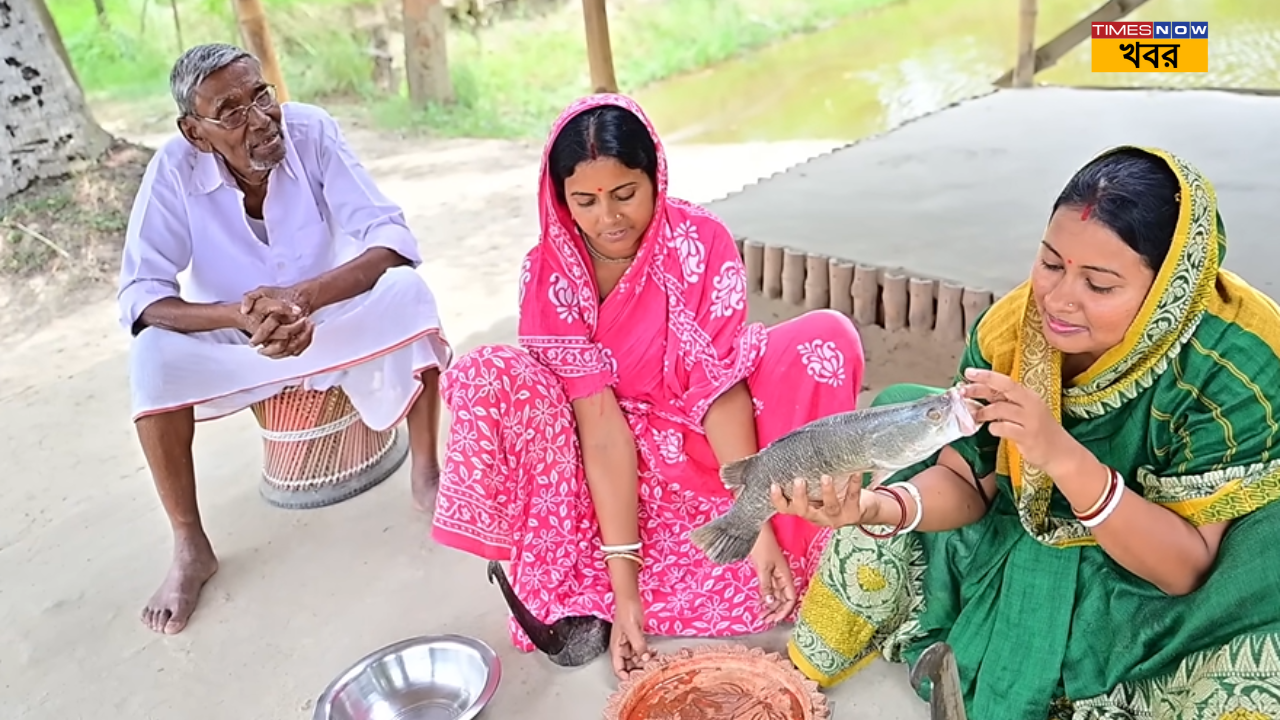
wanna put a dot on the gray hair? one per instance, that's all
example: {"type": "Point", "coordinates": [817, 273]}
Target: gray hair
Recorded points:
{"type": "Point", "coordinates": [195, 66]}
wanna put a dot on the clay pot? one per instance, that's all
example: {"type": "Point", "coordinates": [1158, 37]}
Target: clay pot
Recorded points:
{"type": "Point", "coordinates": [718, 682]}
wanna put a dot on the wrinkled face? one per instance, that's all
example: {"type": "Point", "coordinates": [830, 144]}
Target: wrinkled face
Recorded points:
{"type": "Point", "coordinates": [1088, 284]}
{"type": "Point", "coordinates": [238, 118]}
{"type": "Point", "coordinates": [611, 203]}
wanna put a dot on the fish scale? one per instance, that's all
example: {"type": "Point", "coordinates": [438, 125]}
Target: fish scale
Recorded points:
{"type": "Point", "coordinates": [877, 440]}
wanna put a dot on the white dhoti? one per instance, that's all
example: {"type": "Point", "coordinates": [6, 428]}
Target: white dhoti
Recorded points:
{"type": "Point", "coordinates": [375, 346]}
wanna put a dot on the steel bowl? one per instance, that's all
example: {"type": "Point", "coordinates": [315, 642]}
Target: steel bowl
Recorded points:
{"type": "Point", "coordinates": [434, 677]}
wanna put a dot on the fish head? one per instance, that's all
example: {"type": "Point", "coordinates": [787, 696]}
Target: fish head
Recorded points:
{"type": "Point", "coordinates": [961, 410]}
{"type": "Point", "coordinates": [941, 420]}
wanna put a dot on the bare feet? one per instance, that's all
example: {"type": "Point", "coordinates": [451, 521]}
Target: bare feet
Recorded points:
{"type": "Point", "coordinates": [424, 481]}
{"type": "Point", "coordinates": [170, 608]}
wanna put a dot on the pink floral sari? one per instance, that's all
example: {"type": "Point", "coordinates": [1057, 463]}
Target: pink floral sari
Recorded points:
{"type": "Point", "coordinates": [670, 339]}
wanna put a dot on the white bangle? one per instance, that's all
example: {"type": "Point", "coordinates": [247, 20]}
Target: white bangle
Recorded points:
{"type": "Point", "coordinates": [914, 492]}
{"type": "Point", "coordinates": [1111, 505]}
{"type": "Point", "coordinates": [633, 547]}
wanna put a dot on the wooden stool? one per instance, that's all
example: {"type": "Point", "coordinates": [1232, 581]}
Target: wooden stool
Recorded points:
{"type": "Point", "coordinates": [317, 452]}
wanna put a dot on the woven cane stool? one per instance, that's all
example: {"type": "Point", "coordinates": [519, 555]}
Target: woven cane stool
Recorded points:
{"type": "Point", "coordinates": [317, 452]}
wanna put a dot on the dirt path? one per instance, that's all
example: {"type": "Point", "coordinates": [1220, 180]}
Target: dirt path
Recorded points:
{"type": "Point", "coordinates": [300, 595]}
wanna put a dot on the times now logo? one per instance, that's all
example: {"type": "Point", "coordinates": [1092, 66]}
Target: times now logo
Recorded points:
{"type": "Point", "coordinates": [1152, 30]}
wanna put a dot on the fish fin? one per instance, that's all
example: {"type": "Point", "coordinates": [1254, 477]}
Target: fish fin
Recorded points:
{"type": "Point", "coordinates": [724, 540]}
{"type": "Point", "coordinates": [540, 634]}
{"type": "Point", "coordinates": [734, 474]}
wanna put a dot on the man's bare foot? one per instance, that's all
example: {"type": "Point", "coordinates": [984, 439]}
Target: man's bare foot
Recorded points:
{"type": "Point", "coordinates": [424, 481]}
{"type": "Point", "coordinates": [170, 608]}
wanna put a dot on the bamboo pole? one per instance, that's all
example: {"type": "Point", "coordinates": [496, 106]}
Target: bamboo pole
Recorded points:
{"type": "Point", "coordinates": [599, 52]}
{"type": "Point", "coordinates": [817, 282]}
{"type": "Point", "coordinates": [256, 35]}
{"type": "Point", "coordinates": [950, 321]}
{"type": "Point", "coordinates": [753, 258]}
{"type": "Point", "coordinates": [771, 280]}
{"type": "Point", "coordinates": [793, 262]}
{"type": "Point", "coordinates": [866, 295]}
{"type": "Point", "coordinates": [895, 301]}
{"type": "Point", "coordinates": [1048, 54]}
{"type": "Point", "coordinates": [975, 301]}
{"type": "Point", "coordinates": [920, 305]}
{"type": "Point", "coordinates": [1024, 72]}
{"type": "Point", "coordinates": [840, 285]}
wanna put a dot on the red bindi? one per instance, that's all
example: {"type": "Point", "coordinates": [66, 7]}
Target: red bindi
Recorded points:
{"type": "Point", "coordinates": [1068, 261]}
{"type": "Point", "coordinates": [599, 190]}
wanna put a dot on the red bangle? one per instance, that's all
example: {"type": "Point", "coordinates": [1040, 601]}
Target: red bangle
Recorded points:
{"type": "Point", "coordinates": [1113, 486]}
{"type": "Point", "coordinates": [902, 518]}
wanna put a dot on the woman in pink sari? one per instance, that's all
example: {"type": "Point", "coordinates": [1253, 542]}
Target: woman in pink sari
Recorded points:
{"type": "Point", "coordinates": [587, 455]}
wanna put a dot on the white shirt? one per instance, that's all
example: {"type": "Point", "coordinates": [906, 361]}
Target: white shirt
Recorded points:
{"type": "Point", "coordinates": [189, 236]}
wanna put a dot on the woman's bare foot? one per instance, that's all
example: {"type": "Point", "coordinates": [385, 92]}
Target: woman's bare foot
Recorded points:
{"type": "Point", "coordinates": [424, 481]}
{"type": "Point", "coordinates": [193, 564]}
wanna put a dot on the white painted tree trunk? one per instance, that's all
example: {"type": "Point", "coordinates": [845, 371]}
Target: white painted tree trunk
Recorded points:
{"type": "Point", "coordinates": [46, 129]}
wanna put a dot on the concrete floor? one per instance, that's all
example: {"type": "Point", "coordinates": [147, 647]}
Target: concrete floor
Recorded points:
{"type": "Point", "coordinates": [964, 194]}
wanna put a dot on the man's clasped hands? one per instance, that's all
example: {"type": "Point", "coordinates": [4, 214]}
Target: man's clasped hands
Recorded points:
{"type": "Point", "coordinates": [278, 320]}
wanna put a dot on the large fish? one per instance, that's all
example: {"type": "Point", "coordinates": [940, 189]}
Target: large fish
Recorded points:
{"type": "Point", "coordinates": [568, 642]}
{"type": "Point", "coordinates": [877, 440]}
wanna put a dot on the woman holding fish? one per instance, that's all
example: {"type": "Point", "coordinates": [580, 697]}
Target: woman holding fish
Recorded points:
{"type": "Point", "coordinates": [1106, 545]}
{"type": "Point", "coordinates": [585, 456]}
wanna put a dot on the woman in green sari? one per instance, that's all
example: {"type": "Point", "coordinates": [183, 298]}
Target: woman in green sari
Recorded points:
{"type": "Point", "coordinates": [1106, 546]}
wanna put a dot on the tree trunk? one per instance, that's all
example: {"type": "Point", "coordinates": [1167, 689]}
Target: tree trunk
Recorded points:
{"type": "Point", "coordinates": [177, 25]}
{"type": "Point", "coordinates": [100, 7]}
{"type": "Point", "coordinates": [55, 37]}
{"type": "Point", "coordinates": [426, 56]}
{"type": "Point", "coordinates": [47, 128]}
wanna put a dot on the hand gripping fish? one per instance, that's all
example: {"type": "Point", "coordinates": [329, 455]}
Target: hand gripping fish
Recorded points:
{"type": "Point", "coordinates": [877, 440]}
{"type": "Point", "coordinates": [569, 642]}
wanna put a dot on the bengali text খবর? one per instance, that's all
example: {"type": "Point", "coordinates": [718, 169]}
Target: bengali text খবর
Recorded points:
{"type": "Point", "coordinates": [1135, 52]}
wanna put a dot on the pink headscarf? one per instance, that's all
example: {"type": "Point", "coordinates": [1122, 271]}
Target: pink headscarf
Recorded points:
{"type": "Point", "coordinates": [687, 283]}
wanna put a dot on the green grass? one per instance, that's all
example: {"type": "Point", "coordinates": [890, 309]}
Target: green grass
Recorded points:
{"type": "Point", "coordinates": [510, 79]}
{"type": "Point", "coordinates": [130, 59]}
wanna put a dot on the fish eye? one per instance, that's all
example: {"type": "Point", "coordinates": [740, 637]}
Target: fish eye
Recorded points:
{"type": "Point", "coordinates": [935, 415]}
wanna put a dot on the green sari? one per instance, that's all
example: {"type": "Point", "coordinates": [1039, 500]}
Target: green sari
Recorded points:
{"type": "Point", "coordinates": [1043, 623]}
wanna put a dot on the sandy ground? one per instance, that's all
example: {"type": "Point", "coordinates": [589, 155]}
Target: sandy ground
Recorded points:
{"type": "Point", "coordinates": [300, 595]}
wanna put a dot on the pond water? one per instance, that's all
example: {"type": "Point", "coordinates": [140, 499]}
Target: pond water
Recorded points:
{"type": "Point", "coordinates": [875, 71]}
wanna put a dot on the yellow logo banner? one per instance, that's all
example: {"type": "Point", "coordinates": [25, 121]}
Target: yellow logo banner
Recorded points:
{"type": "Point", "coordinates": [1150, 55]}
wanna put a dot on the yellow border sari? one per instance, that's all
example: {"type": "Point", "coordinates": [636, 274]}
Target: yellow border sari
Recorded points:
{"type": "Point", "coordinates": [1165, 323]}
{"type": "Point", "coordinates": [1041, 619]}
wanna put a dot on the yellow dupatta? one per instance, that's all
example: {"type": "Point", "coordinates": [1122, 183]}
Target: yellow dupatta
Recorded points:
{"type": "Point", "coordinates": [1168, 318]}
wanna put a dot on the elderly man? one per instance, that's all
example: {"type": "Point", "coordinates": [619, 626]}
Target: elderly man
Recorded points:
{"type": "Point", "coordinates": [261, 255]}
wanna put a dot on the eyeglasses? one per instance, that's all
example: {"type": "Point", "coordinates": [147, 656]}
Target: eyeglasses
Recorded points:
{"type": "Point", "coordinates": [235, 118]}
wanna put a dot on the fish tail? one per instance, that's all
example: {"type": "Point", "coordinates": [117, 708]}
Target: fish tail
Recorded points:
{"type": "Point", "coordinates": [726, 539]}
{"type": "Point", "coordinates": [540, 634]}
{"type": "Point", "coordinates": [734, 475]}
